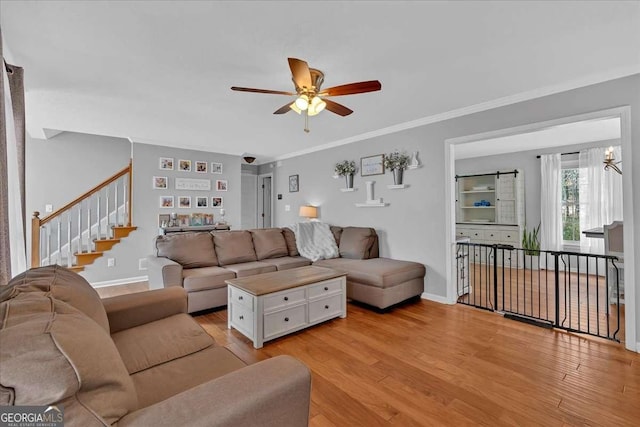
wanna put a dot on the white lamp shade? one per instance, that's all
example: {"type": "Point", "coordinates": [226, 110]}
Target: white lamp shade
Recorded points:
{"type": "Point", "coordinates": [302, 102]}
{"type": "Point", "coordinates": [308, 212]}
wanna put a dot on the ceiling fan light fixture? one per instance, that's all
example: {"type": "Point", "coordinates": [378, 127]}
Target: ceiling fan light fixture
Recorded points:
{"type": "Point", "coordinates": [295, 108]}
{"type": "Point", "coordinates": [317, 104]}
{"type": "Point", "coordinates": [302, 102]}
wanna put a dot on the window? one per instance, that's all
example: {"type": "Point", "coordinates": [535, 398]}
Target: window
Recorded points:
{"type": "Point", "coordinates": [570, 205]}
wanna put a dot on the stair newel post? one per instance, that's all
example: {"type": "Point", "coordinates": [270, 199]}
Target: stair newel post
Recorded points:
{"type": "Point", "coordinates": [59, 238]}
{"type": "Point", "coordinates": [35, 239]}
{"type": "Point", "coordinates": [69, 248]}
{"type": "Point", "coordinates": [129, 209]}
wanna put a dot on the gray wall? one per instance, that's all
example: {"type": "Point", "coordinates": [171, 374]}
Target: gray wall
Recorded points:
{"type": "Point", "coordinates": [413, 226]}
{"type": "Point", "coordinates": [527, 162]}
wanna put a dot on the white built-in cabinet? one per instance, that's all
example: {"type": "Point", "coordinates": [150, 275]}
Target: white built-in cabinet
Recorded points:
{"type": "Point", "coordinates": [500, 218]}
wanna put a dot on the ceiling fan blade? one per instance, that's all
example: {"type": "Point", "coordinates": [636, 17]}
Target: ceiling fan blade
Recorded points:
{"type": "Point", "coordinates": [353, 88]}
{"type": "Point", "coordinates": [284, 109]}
{"type": "Point", "coordinates": [300, 72]}
{"type": "Point", "coordinates": [339, 109]}
{"type": "Point", "coordinates": [249, 89]}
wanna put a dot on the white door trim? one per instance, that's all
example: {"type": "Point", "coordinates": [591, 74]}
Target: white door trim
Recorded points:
{"type": "Point", "coordinates": [624, 113]}
{"type": "Point", "coordinates": [260, 198]}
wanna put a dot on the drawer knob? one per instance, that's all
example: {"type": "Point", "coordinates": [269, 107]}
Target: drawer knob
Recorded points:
{"type": "Point", "coordinates": [326, 307]}
{"type": "Point", "coordinates": [240, 298]}
{"type": "Point", "coordinates": [286, 298]}
{"type": "Point", "coordinates": [241, 317]}
{"type": "Point", "coordinates": [286, 319]}
{"type": "Point", "coordinates": [326, 288]}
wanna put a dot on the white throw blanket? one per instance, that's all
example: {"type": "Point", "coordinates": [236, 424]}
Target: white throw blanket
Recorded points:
{"type": "Point", "coordinates": [315, 240]}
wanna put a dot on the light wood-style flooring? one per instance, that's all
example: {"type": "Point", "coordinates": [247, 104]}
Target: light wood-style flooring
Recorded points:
{"type": "Point", "coordinates": [432, 364]}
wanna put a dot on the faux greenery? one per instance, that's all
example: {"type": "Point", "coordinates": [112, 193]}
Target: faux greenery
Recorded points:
{"type": "Point", "coordinates": [345, 167]}
{"type": "Point", "coordinates": [531, 242]}
{"type": "Point", "coordinates": [396, 160]}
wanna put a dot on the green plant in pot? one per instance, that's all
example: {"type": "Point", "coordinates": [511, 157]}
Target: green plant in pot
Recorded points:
{"type": "Point", "coordinates": [531, 241]}
{"type": "Point", "coordinates": [346, 168]}
{"type": "Point", "coordinates": [396, 162]}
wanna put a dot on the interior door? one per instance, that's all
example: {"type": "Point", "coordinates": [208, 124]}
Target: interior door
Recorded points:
{"type": "Point", "coordinates": [266, 202]}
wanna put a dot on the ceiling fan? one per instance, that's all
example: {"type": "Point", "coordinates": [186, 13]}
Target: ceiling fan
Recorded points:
{"type": "Point", "coordinates": [311, 98]}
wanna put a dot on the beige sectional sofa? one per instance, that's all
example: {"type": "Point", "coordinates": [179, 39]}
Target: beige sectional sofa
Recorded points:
{"type": "Point", "coordinates": [200, 262]}
{"type": "Point", "coordinates": [133, 360]}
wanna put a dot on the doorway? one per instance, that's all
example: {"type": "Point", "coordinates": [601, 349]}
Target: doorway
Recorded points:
{"type": "Point", "coordinates": [265, 201]}
{"type": "Point", "coordinates": [456, 144]}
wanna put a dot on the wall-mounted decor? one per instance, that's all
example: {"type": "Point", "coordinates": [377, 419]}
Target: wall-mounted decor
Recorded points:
{"type": "Point", "coordinates": [197, 219]}
{"type": "Point", "coordinates": [166, 163]}
{"type": "Point", "coordinates": [221, 185]}
{"type": "Point", "coordinates": [166, 201]}
{"type": "Point", "coordinates": [193, 184]}
{"type": "Point", "coordinates": [216, 167]}
{"type": "Point", "coordinates": [160, 183]}
{"type": "Point", "coordinates": [164, 220]}
{"type": "Point", "coordinates": [201, 202]}
{"type": "Point", "coordinates": [201, 167]}
{"type": "Point", "coordinates": [294, 183]}
{"type": "Point", "coordinates": [184, 202]}
{"type": "Point", "coordinates": [184, 165]}
{"type": "Point", "coordinates": [208, 219]}
{"type": "Point", "coordinates": [372, 165]}
{"type": "Point", "coordinates": [183, 220]}
{"type": "Point", "coordinates": [216, 202]}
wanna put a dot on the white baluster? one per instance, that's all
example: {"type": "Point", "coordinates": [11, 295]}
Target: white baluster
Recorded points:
{"type": "Point", "coordinates": [69, 238]}
{"type": "Point", "coordinates": [79, 227]}
{"type": "Point", "coordinates": [89, 227]}
{"type": "Point", "coordinates": [43, 240]}
{"type": "Point", "coordinates": [48, 244]}
{"type": "Point", "coordinates": [98, 217]}
{"type": "Point", "coordinates": [124, 202]}
{"type": "Point", "coordinates": [116, 202]}
{"type": "Point", "coordinates": [59, 236]}
{"type": "Point", "coordinates": [108, 211]}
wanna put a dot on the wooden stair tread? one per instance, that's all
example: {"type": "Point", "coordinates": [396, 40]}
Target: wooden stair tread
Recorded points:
{"type": "Point", "coordinates": [89, 253]}
{"type": "Point", "coordinates": [76, 268]}
{"type": "Point", "coordinates": [106, 239]}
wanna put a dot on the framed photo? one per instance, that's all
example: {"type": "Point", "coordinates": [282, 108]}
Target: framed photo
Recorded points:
{"type": "Point", "coordinates": [197, 219]}
{"type": "Point", "coordinates": [184, 202]}
{"type": "Point", "coordinates": [201, 167]}
{"type": "Point", "coordinates": [160, 183]}
{"type": "Point", "coordinates": [216, 168]}
{"type": "Point", "coordinates": [221, 185]}
{"type": "Point", "coordinates": [201, 202]}
{"type": "Point", "coordinates": [372, 165]}
{"type": "Point", "coordinates": [294, 184]}
{"type": "Point", "coordinates": [216, 202]}
{"type": "Point", "coordinates": [208, 219]}
{"type": "Point", "coordinates": [184, 165]}
{"type": "Point", "coordinates": [164, 220]}
{"type": "Point", "coordinates": [183, 220]}
{"type": "Point", "coordinates": [166, 163]}
{"type": "Point", "coordinates": [166, 201]}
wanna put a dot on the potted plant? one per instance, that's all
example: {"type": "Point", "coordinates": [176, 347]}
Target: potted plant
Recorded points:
{"type": "Point", "coordinates": [531, 246]}
{"type": "Point", "coordinates": [397, 162]}
{"type": "Point", "coordinates": [346, 168]}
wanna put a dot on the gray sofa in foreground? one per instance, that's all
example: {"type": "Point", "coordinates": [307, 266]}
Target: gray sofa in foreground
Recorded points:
{"type": "Point", "coordinates": [200, 262]}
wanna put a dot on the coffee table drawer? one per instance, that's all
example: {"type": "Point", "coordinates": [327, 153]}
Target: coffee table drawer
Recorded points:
{"type": "Point", "coordinates": [283, 299]}
{"type": "Point", "coordinates": [238, 296]}
{"type": "Point", "coordinates": [242, 319]}
{"type": "Point", "coordinates": [325, 308]}
{"type": "Point", "coordinates": [285, 320]}
{"type": "Point", "coordinates": [327, 287]}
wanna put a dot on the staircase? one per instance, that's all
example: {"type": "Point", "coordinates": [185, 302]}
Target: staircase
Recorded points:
{"type": "Point", "coordinates": [86, 228]}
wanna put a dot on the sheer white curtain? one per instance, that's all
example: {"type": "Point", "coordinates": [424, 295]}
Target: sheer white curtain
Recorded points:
{"type": "Point", "coordinates": [600, 195]}
{"type": "Point", "coordinates": [550, 203]}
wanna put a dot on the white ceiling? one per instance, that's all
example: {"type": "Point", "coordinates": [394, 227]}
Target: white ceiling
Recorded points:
{"type": "Point", "coordinates": [160, 72]}
{"type": "Point", "coordinates": [567, 134]}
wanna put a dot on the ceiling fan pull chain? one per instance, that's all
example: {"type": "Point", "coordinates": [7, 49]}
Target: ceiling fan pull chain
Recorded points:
{"type": "Point", "coordinates": [306, 121]}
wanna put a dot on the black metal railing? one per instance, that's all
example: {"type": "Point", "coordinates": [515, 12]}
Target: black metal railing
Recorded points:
{"type": "Point", "coordinates": [573, 291]}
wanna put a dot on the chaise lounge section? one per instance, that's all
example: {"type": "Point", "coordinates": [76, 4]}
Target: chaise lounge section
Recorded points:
{"type": "Point", "coordinates": [200, 262]}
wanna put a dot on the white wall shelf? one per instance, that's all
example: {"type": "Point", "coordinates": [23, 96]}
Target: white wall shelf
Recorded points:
{"type": "Point", "coordinates": [414, 166]}
{"type": "Point", "coordinates": [348, 190]}
{"type": "Point", "coordinates": [371, 205]}
{"type": "Point", "coordinates": [478, 207]}
{"type": "Point", "coordinates": [397, 187]}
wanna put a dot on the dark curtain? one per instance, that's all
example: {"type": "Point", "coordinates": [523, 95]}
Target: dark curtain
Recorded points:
{"type": "Point", "coordinates": [16, 92]}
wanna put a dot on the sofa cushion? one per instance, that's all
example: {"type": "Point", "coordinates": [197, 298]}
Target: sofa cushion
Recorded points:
{"type": "Point", "coordinates": [63, 285]}
{"type": "Point", "coordinates": [288, 262]}
{"type": "Point", "coordinates": [383, 272]}
{"type": "Point", "coordinates": [356, 242]}
{"type": "Point", "coordinates": [168, 379]}
{"type": "Point", "coordinates": [233, 247]}
{"type": "Point", "coordinates": [340, 264]}
{"type": "Point", "coordinates": [269, 243]}
{"type": "Point", "coordinates": [52, 354]}
{"type": "Point", "coordinates": [290, 239]}
{"type": "Point", "coordinates": [337, 232]}
{"type": "Point", "coordinates": [161, 341]}
{"type": "Point", "coordinates": [200, 279]}
{"type": "Point", "coordinates": [191, 250]}
{"type": "Point", "coordinates": [250, 268]}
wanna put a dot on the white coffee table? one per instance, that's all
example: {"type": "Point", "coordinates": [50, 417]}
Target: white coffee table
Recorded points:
{"type": "Point", "coordinates": [271, 305]}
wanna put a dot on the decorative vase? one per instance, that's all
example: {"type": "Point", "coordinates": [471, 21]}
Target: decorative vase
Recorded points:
{"type": "Point", "coordinates": [414, 160]}
{"type": "Point", "coordinates": [369, 191]}
{"type": "Point", "coordinates": [397, 176]}
{"type": "Point", "coordinates": [349, 179]}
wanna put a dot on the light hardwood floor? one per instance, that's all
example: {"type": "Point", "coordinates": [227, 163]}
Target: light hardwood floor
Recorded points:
{"type": "Point", "coordinates": [431, 364]}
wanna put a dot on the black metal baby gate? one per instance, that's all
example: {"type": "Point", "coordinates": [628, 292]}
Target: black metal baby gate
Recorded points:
{"type": "Point", "coordinates": [573, 291]}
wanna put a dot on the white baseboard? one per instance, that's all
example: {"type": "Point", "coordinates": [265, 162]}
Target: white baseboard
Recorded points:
{"type": "Point", "coordinates": [124, 281]}
{"type": "Point", "coordinates": [436, 298]}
